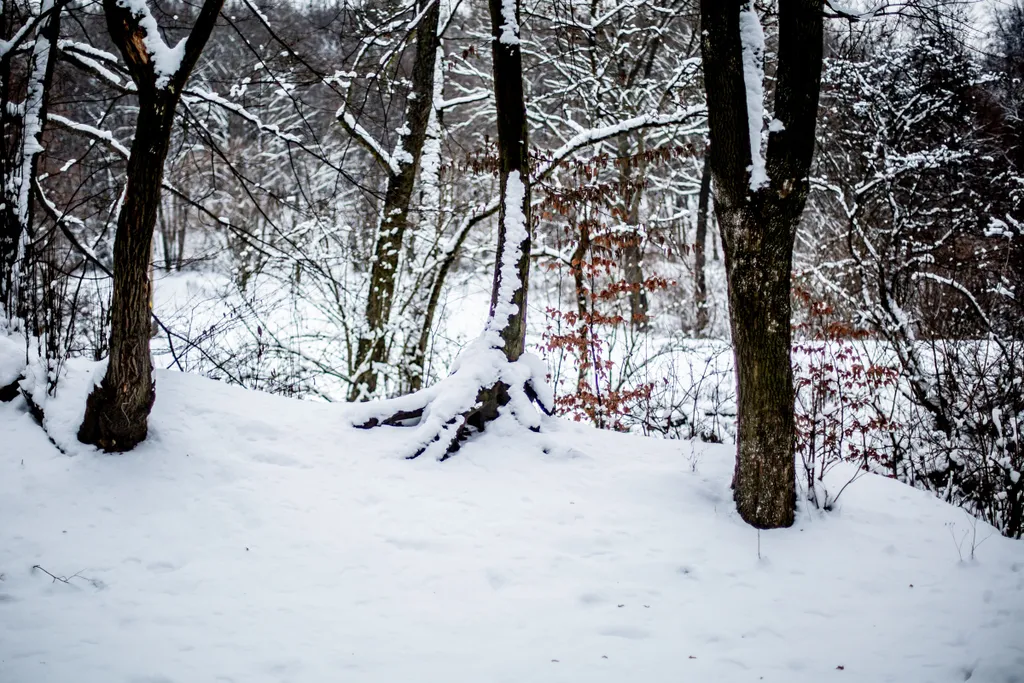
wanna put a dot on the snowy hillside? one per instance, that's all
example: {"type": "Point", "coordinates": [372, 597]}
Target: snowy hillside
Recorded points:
{"type": "Point", "coordinates": [253, 538]}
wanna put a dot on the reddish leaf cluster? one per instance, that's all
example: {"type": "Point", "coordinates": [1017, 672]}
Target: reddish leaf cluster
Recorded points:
{"type": "Point", "coordinates": [839, 416]}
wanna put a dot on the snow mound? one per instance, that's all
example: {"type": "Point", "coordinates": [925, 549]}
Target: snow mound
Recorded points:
{"type": "Point", "coordinates": [12, 360]}
{"type": "Point", "coordinates": [253, 538]}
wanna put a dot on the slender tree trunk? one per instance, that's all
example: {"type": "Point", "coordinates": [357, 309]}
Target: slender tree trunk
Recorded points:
{"type": "Point", "coordinates": [513, 165]}
{"type": "Point", "coordinates": [372, 348]}
{"type": "Point", "coordinates": [632, 251]}
{"type": "Point", "coordinates": [117, 411]}
{"type": "Point", "coordinates": [448, 260]}
{"type": "Point", "coordinates": [700, 283]}
{"type": "Point", "coordinates": [424, 301]}
{"type": "Point", "coordinates": [582, 300]}
{"type": "Point", "coordinates": [758, 226]}
{"type": "Point", "coordinates": [511, 279]}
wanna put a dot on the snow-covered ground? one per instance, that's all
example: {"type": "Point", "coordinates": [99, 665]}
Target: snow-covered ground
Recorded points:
{"type": "Point", "coordinates": [255, 538]}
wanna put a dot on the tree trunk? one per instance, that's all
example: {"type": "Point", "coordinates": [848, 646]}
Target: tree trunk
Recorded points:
{"type": "Point", "coordinates": [513, 163]}
{"type": "Point", "coordinates": [632, 250]}
{"type": "Point", "coordinates": [758, 273]}
{"type": "Point", "coordinates": [21, 170]}
{"type": "Point", "coordinates": [372, 348]}
{"type": "Point", "coordinates": [700, 283]}
{"type": "Point", "coordinates": [117, 411]}
{"type": "Point", "coordinates": [758, 221]}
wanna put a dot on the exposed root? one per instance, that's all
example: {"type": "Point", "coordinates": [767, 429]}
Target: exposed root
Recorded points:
{"type": "Point", "coordinates": [446, 415]}
{"type": "Point", "coordinates": [11, 391]}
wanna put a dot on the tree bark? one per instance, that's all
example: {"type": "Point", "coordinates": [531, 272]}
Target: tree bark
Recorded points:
{"type": "Point", "coordinates": [700, 283]}
{"type": "Point", "coordinates": [372, 348]}
{"type": "Point", "coordinates": [117, 411]}
{"type": "Point", "coordinates": [758, 227]}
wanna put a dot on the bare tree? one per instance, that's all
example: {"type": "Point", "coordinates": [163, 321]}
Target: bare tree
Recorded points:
{"type": "Point", "coordinates": [117, 411]}
{"type": "Point", "coordinates": [401, 167]}
{"type": "Point", "coordinates": [493, 373]}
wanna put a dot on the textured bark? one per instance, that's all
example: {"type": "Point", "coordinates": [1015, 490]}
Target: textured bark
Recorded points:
{"type": "Point", "coordinates": [117, 411]}
{"type": "Point", "coordinates": [758, 230]}
{"type": "Point", "coordinates": [510, 105]}
{"type": "Point", "coordinates": [372, 348]}
{"type": "Point", "coordinates": [700, 282]}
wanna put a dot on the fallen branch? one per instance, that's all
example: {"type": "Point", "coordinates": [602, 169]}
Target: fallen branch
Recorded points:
{"type": "Point", "coordinates": [95, 583]}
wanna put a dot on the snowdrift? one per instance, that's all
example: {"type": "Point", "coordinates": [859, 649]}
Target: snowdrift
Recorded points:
{"type": "Point", "coordinates": [255, 538]}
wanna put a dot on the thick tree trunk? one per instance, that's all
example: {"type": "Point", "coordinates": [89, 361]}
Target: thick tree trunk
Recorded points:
{"type": "Point", "coordinates": [372, 348]}
{"type": "Point", "coordinates": [758, 272]}
{"type": "Point", "coordinates": [700, 282]}
{"type": "Point", "coordinates": [117, 411]}
{"type": "Point", "coordinates": [758, 221]}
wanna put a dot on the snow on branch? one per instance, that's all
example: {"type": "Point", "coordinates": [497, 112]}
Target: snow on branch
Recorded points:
{"type": "Point", "coordinates": [11, 44]}
{"type": "Point", "coordinates": [594, 135]}
{"type": "Point", "coordinates": [419, 17]}
{"type": "Point", "coordinates": [465, 99]}
{"type": "Point", "coordinates": [89, 131]}
{"type": "Point", "coordinates": [510, 29]}
{"type": "Point", "coordinates": [844, 12]}
{"type": "Point", "coordinates": [378, 152]}
{"type": "Point", "coordinates": [752, 40]}
{"type": "Point", "coordinates": [242, 112]}
{"type": "Point", "coordinates": [166, 60]}
{"type": "Point", "coordinates": [97, 69]}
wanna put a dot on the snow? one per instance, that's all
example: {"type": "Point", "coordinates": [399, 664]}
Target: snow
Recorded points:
{"type": "Point", "coordinates": [89, 131]}
{"type": "Point", "coordinates": [255, 538]}
{"type": "Point", "coordinates": [430, 163]}
{"type": "Point", "coordinates": [273, 129]}
{"type": "Point", "coordinates": [508, 276]}
{"type": "Point", "coordinates": [481, 364]}
{"type": "Point", "coordinates": [166, 60]}
{"type": "Point", "coordinates": [752, 39]}
{"type": "Point", "coordinates": [12, 359]}
{"type": "Point", "coordinates": [353, 127]}
{"type": "Point", "coordinates": [93, 58]}
{"type": "Point", "coordinates": [592, 135]}
{"type": "Point", "coordinates": [510, 29]}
